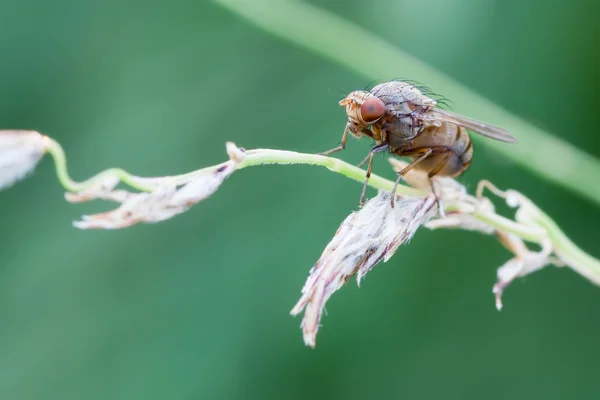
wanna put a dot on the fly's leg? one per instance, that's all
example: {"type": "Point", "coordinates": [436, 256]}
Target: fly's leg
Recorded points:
{"type": "Point", "coordinates": [433, 173]}
{"type": "Point", "coordinates": [361, 203]}
{"type": "Point", "coordinates": [405, 170]}
{"type": "Point", "coordinates": [342, 145]}
{"type": "Point", "coordinates": [376, 149]}
{"type": "Point", "coordinates": [363, 162]}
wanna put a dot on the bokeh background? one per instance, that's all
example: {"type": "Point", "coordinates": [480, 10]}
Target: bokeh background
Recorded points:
{"type": "Point", "coordinates": [197, 307]}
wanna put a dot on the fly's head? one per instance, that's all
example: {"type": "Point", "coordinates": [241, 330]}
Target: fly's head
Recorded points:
{"type": "Point", "coordinates": [363, 110]}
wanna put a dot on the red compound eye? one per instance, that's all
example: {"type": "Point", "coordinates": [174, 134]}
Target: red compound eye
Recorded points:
{"type": "Point", "coordinates": [371, 110]}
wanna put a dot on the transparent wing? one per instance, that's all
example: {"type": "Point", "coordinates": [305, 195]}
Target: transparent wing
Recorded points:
{"type": "Point", "coordinates": [479, 127]}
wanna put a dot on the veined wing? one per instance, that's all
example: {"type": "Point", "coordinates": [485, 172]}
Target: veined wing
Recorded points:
{"type": "Point", "coordinates": [479, 127]}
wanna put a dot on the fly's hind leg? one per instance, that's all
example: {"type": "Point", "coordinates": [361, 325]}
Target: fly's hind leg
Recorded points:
{"type": "Point", "coordinates": [433, 173]}
{"type": "Point", "coordinates": [405, 170]}
{"type": "Point", "coordinates": [376, 149]}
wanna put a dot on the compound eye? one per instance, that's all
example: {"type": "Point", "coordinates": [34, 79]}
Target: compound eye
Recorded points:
{"type": "Point", "coordinates": [371, 110]}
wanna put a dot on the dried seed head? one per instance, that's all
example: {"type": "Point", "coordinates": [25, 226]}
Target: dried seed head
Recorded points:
{"type": "Point", "coordinates": [104, 190]}
{"type": "Point", "coordinates": [139, 207]}
{"type": "Point", "coordinates": [170, 198]}
{"type": "Point", "coordinates": [362, 240]}
{"type": "Point", "coordinates": [20, 151]}
{"type": "Point", "coordinates": [202, 186]}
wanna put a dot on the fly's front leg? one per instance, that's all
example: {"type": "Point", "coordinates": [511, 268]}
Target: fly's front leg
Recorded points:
{"type": "Point", "coordinates": [361, 203]}
{"type": "Point", "coordinates": [376, 149]}
{"type": "Point", "coordinates": [342, 145]}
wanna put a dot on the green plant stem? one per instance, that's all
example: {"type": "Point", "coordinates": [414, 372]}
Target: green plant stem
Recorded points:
{"type": "Point", "coordinates": [523, 231]}
{"type": "Point", "coordinates": [265, 156]}
{"type": "Point", "coordinates": [567, 250]}
{"type": "Point", "coordinates": [576, 258]}
{"type": "Point", "coordinates": [355, 48]}
{"type": "Point", "coordinates": [60, 162]}
{"type": "Point", "coordinates": [253, 158]}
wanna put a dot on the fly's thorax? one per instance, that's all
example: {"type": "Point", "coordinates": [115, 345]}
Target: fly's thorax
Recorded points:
{"type": "Point", "coordinates": [396, 94]}
{"type": "Point", "coordinates": [397, 131]}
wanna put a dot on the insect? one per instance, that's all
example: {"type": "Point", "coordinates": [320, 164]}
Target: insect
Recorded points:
{"type": "Point", "coordinates": [406, 122]}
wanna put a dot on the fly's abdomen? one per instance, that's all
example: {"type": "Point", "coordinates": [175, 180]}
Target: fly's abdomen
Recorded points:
{"type": "Point", "coordinates": [461, 154]}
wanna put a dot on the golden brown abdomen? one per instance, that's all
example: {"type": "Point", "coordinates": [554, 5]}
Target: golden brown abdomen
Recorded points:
{"type": "Point", "coordinates": [462, 153]}
{"type": "Point", "coordinates": [452, 146]}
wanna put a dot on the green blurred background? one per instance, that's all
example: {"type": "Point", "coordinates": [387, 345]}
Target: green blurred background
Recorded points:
{"type": "Point", "coordinates": [197, 307]}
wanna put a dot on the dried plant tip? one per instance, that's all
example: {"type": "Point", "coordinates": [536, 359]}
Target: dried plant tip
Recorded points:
{"type": "Point", "coordinates": [167, 200]}
{"type": "Point", "coordinates": [524, 263]}
{"type": "Point", "coordinates": [104, 190]}
{"type": "Point", "coordinates": [203, 186]}
{"type": "Point", "coordinates": [139, 207]}
{"type": "Point", "coordinates": [163, 203]}
{"type": "Point", "coordinates": [362, 240]}
{"type": "Point", "coordinates": [236, 154]}
{"type": "Point", "coordinates": [20, 151]}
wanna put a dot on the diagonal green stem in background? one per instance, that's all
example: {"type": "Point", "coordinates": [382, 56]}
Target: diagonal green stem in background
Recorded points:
{"type": "Point", "coordinates": [338, 40]}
